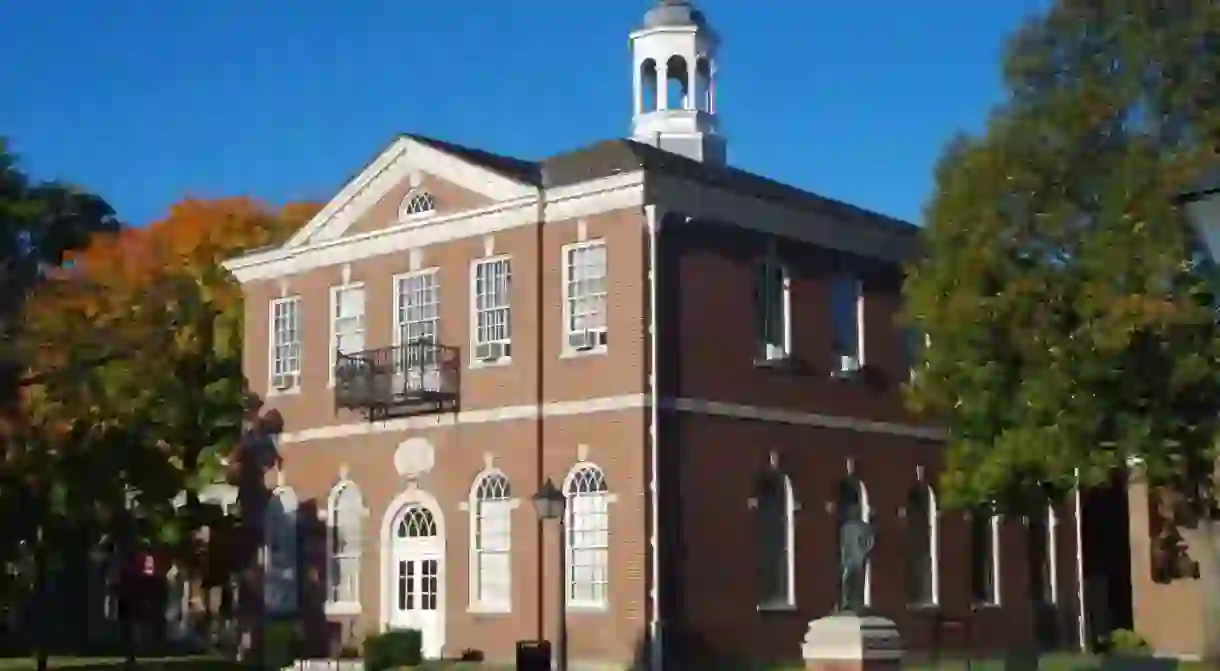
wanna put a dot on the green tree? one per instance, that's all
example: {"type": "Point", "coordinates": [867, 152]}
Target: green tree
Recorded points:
{"type": "Point", "coordinates": [1071, 327]}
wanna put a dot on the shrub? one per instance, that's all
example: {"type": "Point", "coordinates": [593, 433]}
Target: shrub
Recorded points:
{"type": "Point", "coordinates": [1127, 642]}
{"type": "Point", "coordinates": [282, 644]}
{"type": "Point", "coordinates": [393, 649]}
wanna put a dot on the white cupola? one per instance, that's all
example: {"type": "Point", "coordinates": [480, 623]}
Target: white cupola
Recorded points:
{"type": "Point", "coordinates": [674, 57]}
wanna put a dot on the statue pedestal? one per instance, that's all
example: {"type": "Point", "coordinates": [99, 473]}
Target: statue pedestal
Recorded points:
{"type": "Point", "coordinates": [852, 642]}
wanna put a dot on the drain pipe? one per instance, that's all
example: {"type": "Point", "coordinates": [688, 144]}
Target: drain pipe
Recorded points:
{"type": "Point", "coordinates": [540, 438]}
{"type": "Point", "coordinates": [655, 657]}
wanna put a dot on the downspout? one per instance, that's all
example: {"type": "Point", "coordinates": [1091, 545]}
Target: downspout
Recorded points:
{"type": "Point", "coordinates": [1082, 630]}
{"type": "Point", "coordinates": [654, 401]}
{"type": "Point", "coordinates": [539, 400]}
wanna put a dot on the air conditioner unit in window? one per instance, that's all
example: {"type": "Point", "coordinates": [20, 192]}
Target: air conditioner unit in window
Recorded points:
{"type": "Point", "coordinates": [582, 341]}
{"type": "Point", "coordinates": [284, 381]}
{"type": "Point", "coordinates": [849, 365]}
{"type": "Point", "coordinates": [490, 351]}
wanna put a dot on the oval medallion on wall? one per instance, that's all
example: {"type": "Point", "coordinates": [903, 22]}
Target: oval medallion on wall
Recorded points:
{"type": "Point", "coordinates": [414, 457]}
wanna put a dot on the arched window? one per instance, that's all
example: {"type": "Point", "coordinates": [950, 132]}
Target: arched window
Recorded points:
{"type": "Point", "coordinates": [648, 87]}
{"type": "Point", "coordinates": [345, 516]}
{"type": "Point", "coordinates": [416, 522]}
{"type": "Point", "coordinates": [1042, 552]}
{"type": "Point", "coordinates": [280, 552]}
{"type": "Point", "coordinates": [677, 84]}
{"type": "Point", "coordinates": [985, 557]}
{"type": "Point", "coordinates": [588, 536]}
{"type": "Point", "coordinates": [853, 506]}
{"type": "Point", "coordinates": [703, 85]}
{"type": "Point", "coordinates": [923, 547]}
{"type": "Point", "coordinates": [491, 560]}
{"type": "Point", "coordinates": [775, 539]}
{"type": "Point", "coordinates": [417, 203]}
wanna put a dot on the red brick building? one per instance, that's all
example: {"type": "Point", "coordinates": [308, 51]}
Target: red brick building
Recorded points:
{"type": "Point", "coordinates": [706, 361]}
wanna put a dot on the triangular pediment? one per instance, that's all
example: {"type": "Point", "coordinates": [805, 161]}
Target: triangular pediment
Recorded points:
{"type": "Point", "coordinates": [399, 183]}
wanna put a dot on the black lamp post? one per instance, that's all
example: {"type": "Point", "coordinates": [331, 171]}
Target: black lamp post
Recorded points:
{"type": "Point", "coordinates": [549, 501]}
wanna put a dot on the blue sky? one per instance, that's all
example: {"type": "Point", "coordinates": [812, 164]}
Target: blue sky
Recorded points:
{"type": "Point", "coordinates": [148, 102]}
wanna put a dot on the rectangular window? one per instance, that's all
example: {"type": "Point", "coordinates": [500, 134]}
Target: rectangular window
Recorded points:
{"type": "Point", "coordinates": [285, 342]}
{"type": "Point", "coordinates": [417, 318]}
{"type": "Point", "coordinates": [584, 293]}
{"type": "Point", "coordinates": [773, 310]}
{"type": "Point", "coordinates": [985, 558]}
{"type": "Point", "coordinates": [588, 550]}
{"type": "Point", "coordinates": [490, 289]}
{"type": "Point", "coordinates": [347, 322]}
{"type": "Point", "coordinates": [493, 556]}
{"type": "Point", "coordinates": [847, 315]}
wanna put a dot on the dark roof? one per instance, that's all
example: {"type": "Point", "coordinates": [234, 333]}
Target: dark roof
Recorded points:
{"type": "Point", "coordinates": [615, 156]}
{"type": "Point", "coordinates": [513, 168]}
{"type": "Point", "coordinates": [611, 157]}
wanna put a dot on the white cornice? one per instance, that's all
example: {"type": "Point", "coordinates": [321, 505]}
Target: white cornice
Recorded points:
{"type": "Point", "coordinates": [562, 203]}
{"type": "Point", "coordinates": [388, 170]}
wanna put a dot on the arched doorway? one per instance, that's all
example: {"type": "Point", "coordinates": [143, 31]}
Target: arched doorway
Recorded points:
{"type": "Point", "coordinates": [413, 576]}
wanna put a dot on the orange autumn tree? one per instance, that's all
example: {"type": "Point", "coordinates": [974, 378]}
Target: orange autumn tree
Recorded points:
{"type": "Point", "coordinates": [151, 325]}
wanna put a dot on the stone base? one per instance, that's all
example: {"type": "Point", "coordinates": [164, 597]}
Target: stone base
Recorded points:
{"type": "Point", "coordinates": [852, 642]}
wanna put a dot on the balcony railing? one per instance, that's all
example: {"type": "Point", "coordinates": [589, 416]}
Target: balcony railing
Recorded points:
{"type": "Point", "coordinates": [413, 378]}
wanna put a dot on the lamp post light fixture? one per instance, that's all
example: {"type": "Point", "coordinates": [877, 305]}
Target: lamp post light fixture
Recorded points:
{"type": "Point", "coordinates": [550, 503]}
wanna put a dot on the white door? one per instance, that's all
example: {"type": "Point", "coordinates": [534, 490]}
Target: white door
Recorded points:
{"type": "Point", "coordinates": [415, 580]}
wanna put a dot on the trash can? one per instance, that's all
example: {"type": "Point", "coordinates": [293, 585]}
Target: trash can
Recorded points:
{"type": "Point", "coordinates": [533, 656]}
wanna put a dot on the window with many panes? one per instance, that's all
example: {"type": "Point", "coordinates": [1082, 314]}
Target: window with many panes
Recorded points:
{"type": "Point", "coordinates": [775, 538]}
{"type": "Point", "coordinates": [417, 301]}
{"type": "Point", "coordinates": [588, 537]}
{"type": "Point", "coordinates": [584, 293]}
{"type": "Point", "coordinates": [492, 308]}
{"type": "Point", "coordinates": [285, 342]}
{"type": "Point", "coordinates": [492, 543]}
{"type": "Point", "coordinates": [345, 518]}
{"type": "Point", "coordinates": [847, 316]}
{"type": "Point", "coordinates": [347, 321]}
{"type": "Point", "coordinates": [773, 306]}
{"type": "Point", "coordinates": [923, 584]}
{"type": "Point", "coordinates": [985, 557]}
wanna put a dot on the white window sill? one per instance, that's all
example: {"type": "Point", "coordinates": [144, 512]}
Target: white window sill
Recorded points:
{"type": "Point", "coordinates": [272, 392]}
{"type": "Point", "coordinates": [985, 605]}
{"type": "Point", "coordinates": [489, 609]}
{"type": "Point", "coordinates": [777, 607]}
{"type": "Point", "coordinates": [476, 364]}
{"type": "Point", "coordinates": [342, 608]}
{"type": "Point", "coordinates": [588, 608]}
{"type": "Point", "coordinates": [582, 353]}
{"type": "Point", "coordinates": [923, 605]}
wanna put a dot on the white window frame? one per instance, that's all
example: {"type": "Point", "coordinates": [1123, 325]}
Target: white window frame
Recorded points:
{"type": "Point", "coordinates": [600, 298]}
{"type": "Point", "coordinates": [400, 320]}
{"type": "Point", "coordinates": [600, 550]}
{"type": "Point", "coordinates": [766, 270]}
{"type": "Point", "coordinates": [994, 524]}
{"type": "Point", "coordinates": [273, 345]}
{"type": "Point", "coordinates": [932, 524]}
{"type": "Point", "coordinates": [409, 201]}
{"type": "Point", "coordinates": [857, 284]}
{"type": "Point", "coordinates": [1052, 552]}
{"type": "Point", "coordinates": [475, 502]}
{"type": "Point", "coordinates": [476, 338]}
{"type": "Point", "coordinates": [335, 293]}
{"type": "Point", "coordinates": [351, 606]}
{"type": "Point", "coordinates": [787, 600]}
